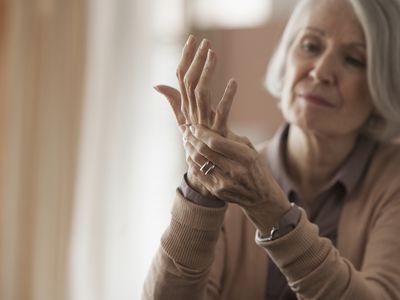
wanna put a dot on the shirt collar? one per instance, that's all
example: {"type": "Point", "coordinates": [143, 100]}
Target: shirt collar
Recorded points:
{"type": "Point", "coordinates": [275, 159]}
{"type": "Point", "coordinates": [348, 175]}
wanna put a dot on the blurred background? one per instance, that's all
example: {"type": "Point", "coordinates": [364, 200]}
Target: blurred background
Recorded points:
{"type": "Point", "coordinates": [90, 154]}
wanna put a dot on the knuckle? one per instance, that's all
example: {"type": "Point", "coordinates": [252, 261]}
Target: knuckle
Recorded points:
{"type": "Point", "coordinates": [180, 73]}
{"type": "Point", "coordinates": [194, 169]}
{"type": "Point", "coordinates": [192, 165]}
{"type": "Point", "coordinates": [198, 92]}
{"type": "Point", "coordinates": [201, 92]}
{"type": "Point", "coordinates": [188, 81]}
{"type": "Point", "coordinates": [203, 149]}
{"type": "Point", "coordinates": [220, 110]}
{"type": "Point", "coordinates": [207, 68]}
{"type": "Point", "coordinates": [189, 160]}
{"type": "Point", "coordinates": [196, 157]}
{"type": "Point", "coordinates": [185, 79]}
{"type": "Point", "coordinates": [213, 143]}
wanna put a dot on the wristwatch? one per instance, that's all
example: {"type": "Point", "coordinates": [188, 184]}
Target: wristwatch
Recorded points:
{"type": "Point", "coordinates": [284, 225]}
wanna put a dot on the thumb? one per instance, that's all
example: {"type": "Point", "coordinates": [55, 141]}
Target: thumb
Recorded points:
{"type": "Point", "coordinates": [174, 98]}
{"type": "Point", "coordinates": [224, 106]}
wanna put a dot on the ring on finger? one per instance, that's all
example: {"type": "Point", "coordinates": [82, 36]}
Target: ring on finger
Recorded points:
{"type": "Point", "coordinates": [207, 167]}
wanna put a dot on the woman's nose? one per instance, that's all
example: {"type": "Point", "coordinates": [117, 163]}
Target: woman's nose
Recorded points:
{"type": "Point", "coordinates": [324, 69]}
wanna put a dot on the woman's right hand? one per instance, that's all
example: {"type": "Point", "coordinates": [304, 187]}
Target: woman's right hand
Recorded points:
{"type": "Point", "coordinates": [192, 103]}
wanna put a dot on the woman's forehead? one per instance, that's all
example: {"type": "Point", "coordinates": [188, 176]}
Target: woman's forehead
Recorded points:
{"type": "Point", "coordinates": [332, 18]}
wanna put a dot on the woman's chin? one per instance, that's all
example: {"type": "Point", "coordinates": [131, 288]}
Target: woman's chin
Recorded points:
{"type": "Point", "coordinates": [314, 126]}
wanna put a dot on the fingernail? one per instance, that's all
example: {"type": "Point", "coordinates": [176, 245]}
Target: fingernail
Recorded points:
{"type": "Point", "coordinates": [233, 84]}
{"type": "Point", "coordinates": [210, 54]}
{"type": "Point", "coordinates": [190, 40]}
{"type": "Point", "coordinates": [204, 44]}
{"type": "Point", "coordinates": [156, 88]}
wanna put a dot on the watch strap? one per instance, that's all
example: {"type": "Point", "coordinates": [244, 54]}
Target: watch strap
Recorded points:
{"type": "Point", "coordinates": [284, 225]}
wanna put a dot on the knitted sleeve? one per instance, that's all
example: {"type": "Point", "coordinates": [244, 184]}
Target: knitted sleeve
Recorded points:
{"type": "Point", "coordinates": [181, 267]}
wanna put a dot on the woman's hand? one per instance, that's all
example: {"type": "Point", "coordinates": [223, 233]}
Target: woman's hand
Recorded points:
{"type": "Point", "coordinates": [192, 102]}
{"type": "Point", "coordinates": [241, 175]}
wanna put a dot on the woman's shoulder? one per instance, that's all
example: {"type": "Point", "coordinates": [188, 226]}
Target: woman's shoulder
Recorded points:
{"type": "Point", "coordinates": [387, 157]}
{"type": "Point", "coordinates": [384, 170]}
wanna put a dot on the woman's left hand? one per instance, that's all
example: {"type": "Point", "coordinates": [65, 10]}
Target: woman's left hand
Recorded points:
{"type": "Point", "coordinates": [241, 175]}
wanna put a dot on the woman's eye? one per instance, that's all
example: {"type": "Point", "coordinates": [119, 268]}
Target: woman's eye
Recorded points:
{"type": "Point", "coordinates": [355, 62]}
{"type": "Point", "coordinates": [310, 47]}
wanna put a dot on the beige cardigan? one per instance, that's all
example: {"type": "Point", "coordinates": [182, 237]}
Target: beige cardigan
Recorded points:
{"type": "Point", "coordinates": [210, 253]}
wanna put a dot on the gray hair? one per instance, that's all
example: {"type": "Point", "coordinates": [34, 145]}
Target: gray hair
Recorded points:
{"type": "Point", "coordinates": [380, 20]}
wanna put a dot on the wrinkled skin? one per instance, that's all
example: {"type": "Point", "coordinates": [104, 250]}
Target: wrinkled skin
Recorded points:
{"type": "Point", "coordinates": [241, 175]}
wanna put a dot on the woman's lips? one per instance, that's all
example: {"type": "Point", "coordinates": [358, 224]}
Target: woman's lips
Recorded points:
{"type": "Point", "coordinates": [316, 100]}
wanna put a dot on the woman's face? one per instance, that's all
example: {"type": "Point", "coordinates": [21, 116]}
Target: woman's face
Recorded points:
{"type": "Point", "coordinates": [325, 86]}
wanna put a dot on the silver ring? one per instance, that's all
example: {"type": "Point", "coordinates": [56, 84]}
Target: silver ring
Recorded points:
{"type": "Point", "coordinates": [207, 167]}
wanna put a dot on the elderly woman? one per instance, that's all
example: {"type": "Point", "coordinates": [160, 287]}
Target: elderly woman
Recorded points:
{"type": "Point", "coordinates": [322, 198]}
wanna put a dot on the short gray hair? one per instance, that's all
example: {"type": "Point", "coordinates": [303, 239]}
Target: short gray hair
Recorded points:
{"type": "Point", "coordinates": [380, 20]}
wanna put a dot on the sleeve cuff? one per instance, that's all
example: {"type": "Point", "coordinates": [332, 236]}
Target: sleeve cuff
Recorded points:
{"type": "Point", "coordinates": [192, 195]}
{"type": "Point", "coordinates": [192, 234]}
{"type": "Point", "coordinates": [299, 251]}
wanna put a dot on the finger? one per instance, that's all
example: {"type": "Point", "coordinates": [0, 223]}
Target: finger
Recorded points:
{"type": "Point", "coordinates": [209, 181]}
{"type": "Point", "coordinates": [174, 98]}
{"type": "Point", "coordinates": [224, 106]}
{"type": "Point", "coordinates": [192, 77]}
{"type": "Point", "coordinates": [193, 155]}
{"type": "Point", "coordinates": [213, 182]}
{"type": "Point", "coordinates": [200, 153]}
{"type": "Point", "coordinates": [202, 91]}
{"type": "Point", "coordinates": [240, 139]}
{"type": "Point", "coordinates": [233, 150]}
{"type": "Point", "coordinates": [188, 54]}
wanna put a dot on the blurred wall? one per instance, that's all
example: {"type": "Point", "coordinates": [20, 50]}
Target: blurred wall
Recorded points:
{"type": "Point", "coordinates": [43, 64]}
{"type": "Point", "coordinates": [2, 85]}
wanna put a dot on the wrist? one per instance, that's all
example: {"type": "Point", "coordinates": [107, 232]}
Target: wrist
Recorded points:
{"type": "Point", "coordinates": [192, 195]}
{"type": "Point", "coordinates": [284, 225]}
{"type": "Point", "coordinates": [197, 186]}
{"type": "Point", "coordinates": [266, 214]}
{"type": "Point", "coordinates": [269, 208]}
